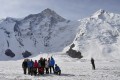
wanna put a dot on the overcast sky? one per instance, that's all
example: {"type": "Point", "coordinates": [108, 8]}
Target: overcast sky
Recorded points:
{"type": "Point", "coordinates": [69, 9]}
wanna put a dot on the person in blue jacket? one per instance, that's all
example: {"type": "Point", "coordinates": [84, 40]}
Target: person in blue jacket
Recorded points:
{"type": "Point", "coordinates": [30, 67]}
{"type": "Point", "coordinates": [51, 64]}
{"type": "Point", "coordinates": [57, 70]}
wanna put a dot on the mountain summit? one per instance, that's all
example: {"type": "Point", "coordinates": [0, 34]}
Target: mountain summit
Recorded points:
{"type": "Point", "coordinates": [98, 35]}
{"type": "Point", "coordinates": [37, 33]}
{"type": "Point", "coordinates": [47, 13]}
{"type": "Point", "coordinates": [99, 12]}
{"type": "Point", "coordinates": [102, 14]}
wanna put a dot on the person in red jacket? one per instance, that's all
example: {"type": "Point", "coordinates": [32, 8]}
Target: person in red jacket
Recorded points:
{"type": "Point", "coordinates": [35, 67]}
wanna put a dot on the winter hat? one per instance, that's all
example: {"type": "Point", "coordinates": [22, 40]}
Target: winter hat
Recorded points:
{"type": "Point", "coordinates": [55, 64]}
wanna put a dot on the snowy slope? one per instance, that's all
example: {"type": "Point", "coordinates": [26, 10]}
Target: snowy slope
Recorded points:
{"type": "Point", "coordinates": [98, 36]}
{"type": "Point", "coordinates": [36, 33]}
{"type": "Point", "coordinates": [72, 69]}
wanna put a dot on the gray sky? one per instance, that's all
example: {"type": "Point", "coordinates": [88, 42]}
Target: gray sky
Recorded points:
{"type": "Point", "coordinates": [69, 9]}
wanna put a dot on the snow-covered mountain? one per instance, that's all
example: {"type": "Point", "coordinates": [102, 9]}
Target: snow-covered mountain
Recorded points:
{"type": "Point", "coordinates": [96, 36]}
{"type": "Point", "coordinates": [99, 35]}
{"type": "Point", "coordinates": [36, 33]}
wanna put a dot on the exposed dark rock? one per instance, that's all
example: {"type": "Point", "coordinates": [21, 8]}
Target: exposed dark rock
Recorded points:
{"type": "Point", "coordinates": [17, 28]}
{"type": "Point", "coordinates": [72, 46]}
{"type": "Point", "coordinates": [26, 54]}
{"type": "Point", "coordinates": [8, 33]}
{"type": "Point", "coordinates": [7, 43]}
{"type": "Point", "coordinates": [9, 53]}
{"type": "Point", "coordinates": [20, 41]}
{"type": "Point", "coordinates": [73, 53]}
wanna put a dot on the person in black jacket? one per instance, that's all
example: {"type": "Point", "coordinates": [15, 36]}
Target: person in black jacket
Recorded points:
{"type": "Point", "coordinates": [93, 64]}
{"type": "Point", "coordinates": [24, 66]}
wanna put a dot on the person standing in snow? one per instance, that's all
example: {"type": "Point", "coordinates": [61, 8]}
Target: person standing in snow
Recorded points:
{"type": "Point", "coordinates": [57, 70]}
{"type": "Point", "coordinates": [40, 67]}
{"type": "Point", "coordinates": [41, 62]}
{"type": "Point", "coordinates": [51, 64]}
{"type": "Point", "coordinates": [24, 66]}
{"type": "Point", "coordinates": [28, 64]}
{"type": "Point", "coordinates": [31, 67]}
{"type": "Point", "coordinates": [35, 67]}
{"type": "Point", "coordinates": [93, 64]}
{"type": "Point", "coordinates": [47, 66]}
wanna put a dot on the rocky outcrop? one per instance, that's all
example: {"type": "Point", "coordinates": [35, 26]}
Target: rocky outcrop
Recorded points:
{"type": "Point", "coordinates": [9, 53]}
{"type": "Point", "coordinates": [74, 53]}
{"type": "Point", "coordinates": [26, 54]}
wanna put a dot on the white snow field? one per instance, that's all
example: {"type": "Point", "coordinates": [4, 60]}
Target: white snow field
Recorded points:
{"type": "Point", "coordinates": [97, 36]}
{"type": "Point", "coordinates": [72, 69]}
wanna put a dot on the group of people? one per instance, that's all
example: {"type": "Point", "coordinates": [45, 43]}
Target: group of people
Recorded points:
{"type": "Point", "coordinates": [40, 67]}
{"type": "Point", "coordinates": [43, 66]}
